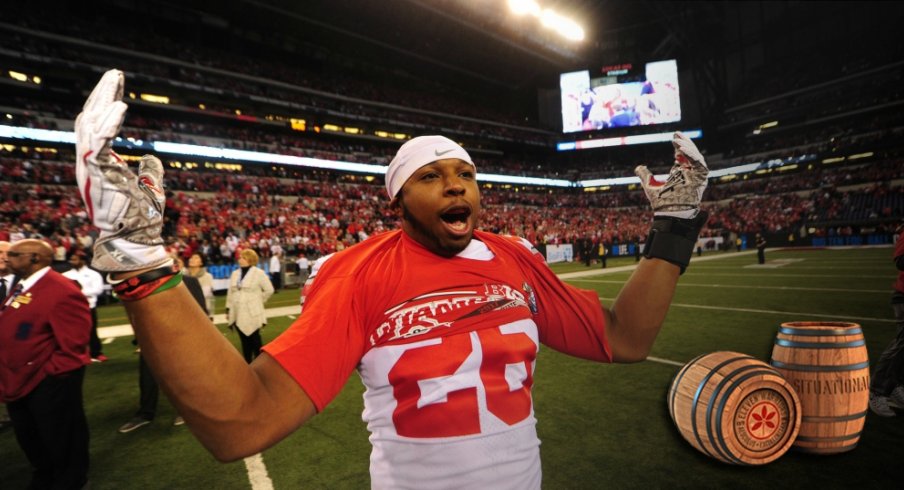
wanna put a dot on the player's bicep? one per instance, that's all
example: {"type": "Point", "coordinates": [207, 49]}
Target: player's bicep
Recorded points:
{"type": "Point", "coordinates": [573, 321]}
{"type": "Point", "coordinates": [617, 337]}
{"type": "Point", "coordinates": [289, 406]}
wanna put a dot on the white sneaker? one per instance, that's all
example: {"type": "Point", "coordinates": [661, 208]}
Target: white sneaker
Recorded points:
{"type": "Point", "coordinates": [879, 406]}
{"type": "Point", "coordinates": [896, 398]}
{"type": "Point", "coordinates": [135, 423]}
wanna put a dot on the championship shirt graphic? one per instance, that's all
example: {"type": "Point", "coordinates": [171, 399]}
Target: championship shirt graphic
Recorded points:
{"type": "Point", "coordinates": [441, 309]}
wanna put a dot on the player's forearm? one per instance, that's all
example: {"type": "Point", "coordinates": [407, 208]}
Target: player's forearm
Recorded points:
{"type": "Point", "coordinates": [213, 388]}
{"type": "Point", "coordinates": [231, 407]}
{"type": "Point", "coordinates": [640, 309]}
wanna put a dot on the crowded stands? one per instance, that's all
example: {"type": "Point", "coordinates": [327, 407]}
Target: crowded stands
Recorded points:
{"type": "Point", "coordinates": [848, 181]}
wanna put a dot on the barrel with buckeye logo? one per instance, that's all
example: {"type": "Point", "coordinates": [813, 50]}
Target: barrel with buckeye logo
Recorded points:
{"type": "Point", "coordinates": [828, 366]}
{"type": "Point", "coordinates": [734, 408]}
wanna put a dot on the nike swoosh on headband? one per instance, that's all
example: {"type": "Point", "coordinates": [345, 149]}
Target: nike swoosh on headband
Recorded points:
{"type": "Point", "coordinates": [441, 153]}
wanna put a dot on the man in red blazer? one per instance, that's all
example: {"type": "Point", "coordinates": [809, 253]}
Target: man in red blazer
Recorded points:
{"type": "Point", "coordinates": [45, 324]}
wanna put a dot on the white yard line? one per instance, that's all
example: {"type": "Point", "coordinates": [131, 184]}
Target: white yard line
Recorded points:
{"type": "Point", "coordinates": [125, 329]}
{"type": "Point", "coordinates": [777, 312]}
{"type": "Point", "coordinates": [767, 273]}
{"type": "Point", "coordinates": [665, 361]}
{"type": "Point", "coordinates": [736, 286]}
{"type": "Point", "coordinates": [882, 267]}
{"type": "Point", "coordinates": [625, 268]}
{"type": "Point", "coordinates": [797, 313]}
{"type": "Point", "coordinates": [257, 473]}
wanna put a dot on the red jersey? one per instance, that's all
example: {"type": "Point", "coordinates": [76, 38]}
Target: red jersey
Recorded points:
{"type": "Point", "coordinates": [446, 348]}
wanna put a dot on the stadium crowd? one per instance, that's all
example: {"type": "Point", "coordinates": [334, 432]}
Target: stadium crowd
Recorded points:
{"type": "Point", "coordinates": [233, 99]}
{"type": "Point", "coordinates": [314, 213]}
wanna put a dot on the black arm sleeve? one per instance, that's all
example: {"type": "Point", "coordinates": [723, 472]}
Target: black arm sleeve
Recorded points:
{"type": "Point", "coordinates": [673, 239]}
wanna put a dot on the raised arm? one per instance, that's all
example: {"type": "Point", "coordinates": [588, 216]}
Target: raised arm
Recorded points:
{"type": "Point", "coordinates": [636, 317]}
{"type": "Point", "coordinates": [234, 409]}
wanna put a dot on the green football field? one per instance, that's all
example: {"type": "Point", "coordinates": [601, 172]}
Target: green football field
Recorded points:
{"type": "Point", "coordinates": [601, 426]}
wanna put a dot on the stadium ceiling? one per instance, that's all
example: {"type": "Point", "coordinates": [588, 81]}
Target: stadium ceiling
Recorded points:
{"type": "Point", "coordinates": [481, 47]}
{"type": "Point", "coordinates": [478, 50]}
{"type": "Point", "coordinates": [466, 42]}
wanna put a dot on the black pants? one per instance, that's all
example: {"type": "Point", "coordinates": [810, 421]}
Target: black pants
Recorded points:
{"type": "Point", "coordinates": [94, 346]}
{"type": "Point", "coordinates": [889, 370]}
{"type": "Point", "coordinates": [148, 389]}
{"type": "Point", "coordinates": [52, 430]}
{"type": "Point", "coordinates": [251, 344]}
{"type": "Point", "coordinates": [276, 280]}
{"type": "Point", "coordinates": [761, 255]}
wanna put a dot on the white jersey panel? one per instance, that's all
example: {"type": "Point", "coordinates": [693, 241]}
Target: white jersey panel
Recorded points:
{"type": "Point", "coordinates": [500, 444]}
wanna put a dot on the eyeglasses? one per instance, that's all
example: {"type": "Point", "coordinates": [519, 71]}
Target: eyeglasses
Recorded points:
{"type": "Point", "coordinates": [19, 254]}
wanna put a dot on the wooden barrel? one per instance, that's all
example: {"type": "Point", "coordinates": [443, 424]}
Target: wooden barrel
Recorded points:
{"type": "Point", "coordinates": [734, 408]}
{"type": "Point", "coordinates": [828, 366]}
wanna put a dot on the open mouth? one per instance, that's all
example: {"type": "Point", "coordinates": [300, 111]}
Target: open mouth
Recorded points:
{"type": "Point", "coordinates": [456, 219]}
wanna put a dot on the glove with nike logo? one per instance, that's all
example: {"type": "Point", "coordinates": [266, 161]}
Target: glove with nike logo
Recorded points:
{"type": "Point", "coordinates": [127, 209]}
{"type": "Point", "coordinates": [677, 219]}
{"type": "Point", "coordinates": [680, 195]}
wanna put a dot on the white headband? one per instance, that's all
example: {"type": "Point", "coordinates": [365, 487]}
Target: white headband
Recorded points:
{"type": "Point", "coordinates": [416, 153]}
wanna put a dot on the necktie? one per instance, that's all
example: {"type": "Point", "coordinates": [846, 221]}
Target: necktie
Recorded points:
{"type": "Point", "coordinates": [2, 288]}
{"type": "Point", "coordinates": [16, 291]}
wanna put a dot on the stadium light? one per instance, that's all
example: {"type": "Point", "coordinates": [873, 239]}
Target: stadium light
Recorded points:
{"type": "Point", "coordinates": [154, 98]}
{"type": "Point", "coordinates": [573, 32]}
{"type": "Point", "coordinates": [860, 155]}
{"type": "Point", "coordinates": [564, 26]}
{"type": "Point", "coordinates": [549, 18]}
{"type": "Point", "coordinates": [523, 7]}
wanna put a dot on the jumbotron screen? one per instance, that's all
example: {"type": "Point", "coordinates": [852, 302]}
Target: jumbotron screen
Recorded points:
{"type": "Point", "coordinates": [623, 95]}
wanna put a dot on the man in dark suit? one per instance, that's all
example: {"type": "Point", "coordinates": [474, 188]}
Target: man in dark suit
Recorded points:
{"type": "Point", "coordinates": [45, 324]}
{"type": "Point", "coordinates": [760, 249]}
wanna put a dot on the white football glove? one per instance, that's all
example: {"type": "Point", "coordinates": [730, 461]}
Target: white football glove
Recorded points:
{"type": "Point", "coordinates": [127, 209]}
{"type": "Point", "coordinates": [680, 195]}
